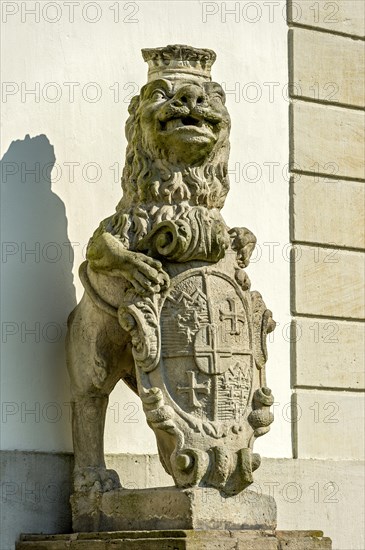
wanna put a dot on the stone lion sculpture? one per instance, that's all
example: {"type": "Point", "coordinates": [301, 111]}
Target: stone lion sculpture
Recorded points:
{"type": "Point", "coordinates": [174, 185]}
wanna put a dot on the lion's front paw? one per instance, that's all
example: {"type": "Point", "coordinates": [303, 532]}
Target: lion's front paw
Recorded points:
{"type": "Point", "coordinates": [106, 254]}
{"type": "Point", "coordinates": [95, 480]}
{"type": "Point", "coordinates": [146, 274]}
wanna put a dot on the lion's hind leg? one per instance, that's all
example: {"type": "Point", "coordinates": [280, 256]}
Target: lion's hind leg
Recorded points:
{"type": "Point", "coordinates": [97, 358]}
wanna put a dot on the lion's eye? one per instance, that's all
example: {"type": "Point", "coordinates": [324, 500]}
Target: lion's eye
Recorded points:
{"type": "Point", "coordinates": [217, 96]}
{"type": "Point", "coordinates": [158, 94]}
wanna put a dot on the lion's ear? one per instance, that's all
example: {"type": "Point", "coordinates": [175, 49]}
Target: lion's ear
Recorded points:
{"type": "Point", "coordinates": [134, 104]}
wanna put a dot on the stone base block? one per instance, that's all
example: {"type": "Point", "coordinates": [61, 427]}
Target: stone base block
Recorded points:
{"type": "Point", "coordinates": [171, 508]}
{"type": "Point", "coordinates": [179, 540]}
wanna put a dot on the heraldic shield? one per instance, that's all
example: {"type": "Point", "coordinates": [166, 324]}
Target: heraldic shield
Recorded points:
{"type": "Point", "coordinates": [207, 348]}
{"type": "Point", "coordinates": [200, 355]}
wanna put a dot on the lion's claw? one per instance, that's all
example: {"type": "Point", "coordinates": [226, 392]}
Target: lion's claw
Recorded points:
{"type": "Point", "coordinates": [243, 243]}
{"type": "Point", "coordinates": [95, 480]}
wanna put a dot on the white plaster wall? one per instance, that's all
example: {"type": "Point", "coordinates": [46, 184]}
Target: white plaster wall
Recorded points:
{"type": "Point", "coordinates": [42, 288]}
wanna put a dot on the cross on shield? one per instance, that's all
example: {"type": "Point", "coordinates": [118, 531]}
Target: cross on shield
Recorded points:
{"type": "Point", "coordinates": [193, 389]}
{"type": "Point", "coordinates": [210, 353]}
{"type": "Point", "coordinates": [232, 316]}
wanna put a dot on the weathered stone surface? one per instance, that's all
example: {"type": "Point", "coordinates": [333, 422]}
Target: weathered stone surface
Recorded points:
{"type": "Point", "coordinates": [328, 211]}
{"type": "Point", "coordinates": [35, 491]}
{"type": "Point", "coordinates": [342, 16]}
{"type": "Point", "coordinates": [44, 545]}
{"type": "Point", "coordinates": [326, 67]}
{"type": "Point", "coordinates": [327, 140]}
{"type": "Point", "coordinates": [303, 540]}
{"type": "Point", "coordinates": [328, 282]}
{"type": "Point", "coordinates": [308, 493]}
{"type": "Point", "coordinates": [183, 540]}
{"type": "Point", "coordinates": [170, 302]}
{"type": "Point", "coordinates": [325, 424]}
{"type": "Point", "coordinates": [139, 471]}
{"type": "Point", "coordinates": [328, 354]}
{"type": "Point", "coordinates": [316, 493]}
{"type": "Point", "coordinates": [172, 508]}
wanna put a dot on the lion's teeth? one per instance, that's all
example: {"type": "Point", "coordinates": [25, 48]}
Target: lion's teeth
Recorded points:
{"type": "Point", "coordinates": [174, 123]}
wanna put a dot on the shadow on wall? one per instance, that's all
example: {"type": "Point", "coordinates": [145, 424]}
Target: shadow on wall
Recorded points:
{"type": "Point", "coordinates": [37, 295]}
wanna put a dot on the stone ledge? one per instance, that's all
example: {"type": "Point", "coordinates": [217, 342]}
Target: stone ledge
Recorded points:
{"type": "Point", "coordinates": [179, 540]}
{"type": "Point", "coordinates": [328, 211]}
{"type": "Point", "coordinates": [328, 282]}
{"type": "Point", "coordinates": [171, 508]}
{"type": "Point", "coordinates": [326, 67]}
{"type": "Point", "coordinates": [344, 16]}
{"type": "Point", "coordinates": [326, 140]}
{"type": "Point", "coordinates": [328, 354]}
{"type": "Point", "coordinates": [329, 424]}
{"type": "Point", "coordinates": [339, 482]}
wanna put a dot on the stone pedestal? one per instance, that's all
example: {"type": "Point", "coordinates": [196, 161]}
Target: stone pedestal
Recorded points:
{"type": "Point", "coordinates": [168, 518]}
{"type": "Point", "coordinates": [179, 540]}
{"type": "Point", "coordinates": [171, 508]}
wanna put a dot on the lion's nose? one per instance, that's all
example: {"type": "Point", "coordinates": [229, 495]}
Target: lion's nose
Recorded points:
{"type": "Point", "coordinates": [189, 97]}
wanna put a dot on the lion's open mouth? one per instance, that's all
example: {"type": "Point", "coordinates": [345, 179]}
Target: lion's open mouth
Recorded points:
{"type": "Point", "coordinates": [181, 122]}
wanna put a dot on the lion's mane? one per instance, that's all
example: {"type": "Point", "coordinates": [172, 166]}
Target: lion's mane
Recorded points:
{"type": "Point", "coordinates": [155, 190]}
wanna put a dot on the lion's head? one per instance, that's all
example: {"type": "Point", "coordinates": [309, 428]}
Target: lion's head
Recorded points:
{"type": "Point", "coordinates": [178, 147]}
{"type": "Point", "coordinates": [183, 121]}
{"type": "Point", "coordinates": [178, 144]}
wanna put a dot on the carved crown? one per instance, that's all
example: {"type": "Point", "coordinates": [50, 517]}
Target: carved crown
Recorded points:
{"type": "Point", "coordinates": [178, 60]}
